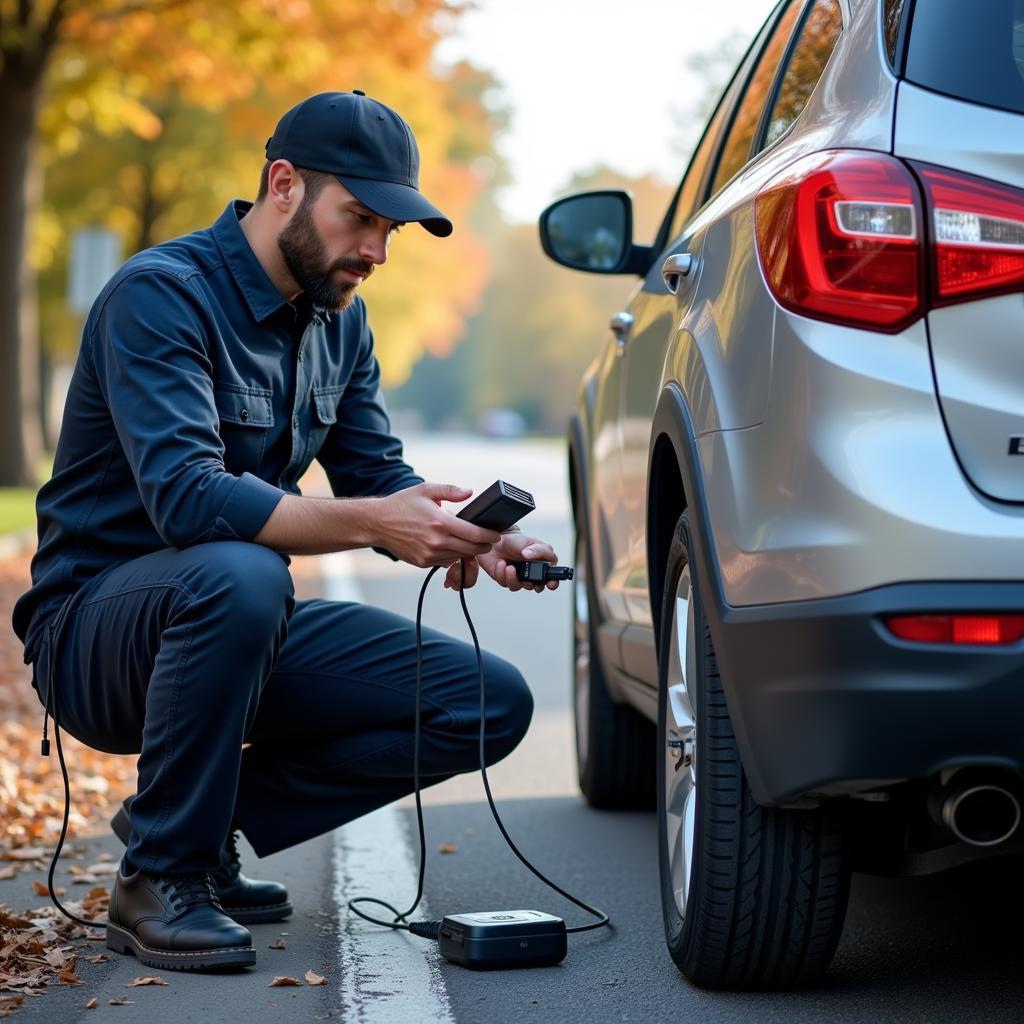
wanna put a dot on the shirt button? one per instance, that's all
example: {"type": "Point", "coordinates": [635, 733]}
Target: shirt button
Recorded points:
{"type": "Point", "coordinates": [295, 422]}
{"type": "Point", "coordinates": [244, 415]}
{"type": "Point", "coordinates": [300, 355]}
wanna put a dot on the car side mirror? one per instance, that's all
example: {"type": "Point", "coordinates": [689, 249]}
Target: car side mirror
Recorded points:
{"type": "Point", "coordinates": [592, 231]}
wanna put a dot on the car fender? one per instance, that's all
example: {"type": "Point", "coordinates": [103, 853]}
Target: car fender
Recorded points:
{"type": "Point", "coordinates": [675, 483]}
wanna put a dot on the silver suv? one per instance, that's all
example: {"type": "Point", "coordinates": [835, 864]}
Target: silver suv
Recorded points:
{"type": "Point", "coordinates": [797, 470]}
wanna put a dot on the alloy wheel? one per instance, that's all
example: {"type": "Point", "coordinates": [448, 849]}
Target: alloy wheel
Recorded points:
{"type": "Point", "coordinates": [680, 754]}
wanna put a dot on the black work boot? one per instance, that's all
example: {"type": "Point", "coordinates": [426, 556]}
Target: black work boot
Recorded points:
{"type": "Point", "coordinates": [174, 923]}
{"type": "Point", "coordinates": [245, 899]}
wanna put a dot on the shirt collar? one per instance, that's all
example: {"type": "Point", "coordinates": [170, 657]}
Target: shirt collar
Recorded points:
{"type": "Point", "coordinates": [259, 291]}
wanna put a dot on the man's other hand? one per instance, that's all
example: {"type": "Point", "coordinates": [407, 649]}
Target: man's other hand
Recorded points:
{"type": "Point", "coordinates": [413, 526]}
{"type": "Point", "coordinates": [513, 547]}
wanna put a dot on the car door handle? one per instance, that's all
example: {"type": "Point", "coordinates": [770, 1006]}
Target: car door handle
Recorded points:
{"type": "Point", "coordinates": [675, 268]}
{"type": "Point", "coordinates": [621, 325]}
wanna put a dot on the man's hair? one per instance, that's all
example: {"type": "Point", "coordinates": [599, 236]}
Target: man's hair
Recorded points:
{"type": "Point", "coordinates": [314, 180]}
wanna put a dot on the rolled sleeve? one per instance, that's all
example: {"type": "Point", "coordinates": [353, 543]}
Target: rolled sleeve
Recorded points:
{"type": "Point", "coordinates": [151, 362]}
{"type": "Point", "coordinates": [247, 509]}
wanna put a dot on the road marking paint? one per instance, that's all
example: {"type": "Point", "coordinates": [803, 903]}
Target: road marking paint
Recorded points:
{"type": "Point", "coordinates": [339, 577]}
{"type": "Point", "coordinates": [386, 976]}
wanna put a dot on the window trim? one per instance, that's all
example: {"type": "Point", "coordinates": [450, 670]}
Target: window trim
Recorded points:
{"type": "Point", "coordinates": [729, 98]}
{"type": "Point", "coordinates": [779, 13]}
{"type": "Point", "coordinates": [898, 65]}
{"type": "Point", "coordinates": [758, 144]}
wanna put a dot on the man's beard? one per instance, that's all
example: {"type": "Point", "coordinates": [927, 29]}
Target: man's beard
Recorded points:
{"type": "Point", "coordinates": [303, 254]}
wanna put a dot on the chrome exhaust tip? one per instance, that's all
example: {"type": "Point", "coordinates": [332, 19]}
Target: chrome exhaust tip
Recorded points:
{"type": "Point", "coordinates": [980, 813]}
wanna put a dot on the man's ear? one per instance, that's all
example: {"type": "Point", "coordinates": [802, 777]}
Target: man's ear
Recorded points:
{"type": "Point", "coordinates": [285, 186]}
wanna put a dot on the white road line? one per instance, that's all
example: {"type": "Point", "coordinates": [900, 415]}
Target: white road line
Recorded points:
{"type": "Point", "coordinates": [339, 578]}
{"type": "Point", "coordinates": [387, 976]}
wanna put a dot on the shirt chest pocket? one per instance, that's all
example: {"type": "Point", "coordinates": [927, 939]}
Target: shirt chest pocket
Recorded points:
{"type": "Point", "coordinates": [246, 416]}
{"type": "Point", "coordinates": [324, 400]}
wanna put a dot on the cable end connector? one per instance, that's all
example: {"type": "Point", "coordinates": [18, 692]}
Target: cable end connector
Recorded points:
{"type": "Point", "coordinates": [541, 572]}
{"type": "Point", "coordinates": [44, 747]}
{"type": "Point", "coordinates": [425, 929]}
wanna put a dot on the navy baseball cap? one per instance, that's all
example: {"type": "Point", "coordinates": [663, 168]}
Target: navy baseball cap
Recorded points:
{"type": "Point", "coordinates": [366, 146]}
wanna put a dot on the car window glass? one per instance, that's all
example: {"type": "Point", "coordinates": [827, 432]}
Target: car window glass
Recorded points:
{"type": "Point", "coordinates": [741, 134]}
{"type": "Point", "coordinates": [974, 52]}
{"type": "Point", "coordinates": [817, 40]}
{"type": "Point", "coordinates": [892, 15]}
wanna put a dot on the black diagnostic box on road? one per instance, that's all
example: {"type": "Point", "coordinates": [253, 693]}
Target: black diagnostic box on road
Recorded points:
{"type": "Point", "coordinates": [503, 938]}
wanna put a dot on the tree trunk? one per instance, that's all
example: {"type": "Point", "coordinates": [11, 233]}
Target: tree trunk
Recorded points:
{"type": "Point", "coordinates": [20, 187]}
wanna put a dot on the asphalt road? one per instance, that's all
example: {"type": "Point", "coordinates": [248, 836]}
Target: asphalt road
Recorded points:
{"type": "Point", "coordinates": [941, 949]}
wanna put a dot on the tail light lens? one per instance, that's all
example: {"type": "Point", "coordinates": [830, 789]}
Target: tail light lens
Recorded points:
{"type": "Point", "coordinates": [988, 630]}
{"type": "Point", "coordinates": [977, 235]}
{"type": "Point", "coordinates": [839, 237]}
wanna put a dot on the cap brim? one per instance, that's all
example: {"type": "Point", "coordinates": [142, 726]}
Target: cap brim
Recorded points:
{"type": "Point", "coordinates": [398, 202]}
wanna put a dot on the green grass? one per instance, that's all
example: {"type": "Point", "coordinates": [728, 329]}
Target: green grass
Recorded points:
{"type": "Point", "coordinates": [17, 508]}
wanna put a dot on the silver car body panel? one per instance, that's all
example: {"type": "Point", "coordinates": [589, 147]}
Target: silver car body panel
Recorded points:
{"type": "Point", "coordinates": [850, 483]}
{"type": "Point", "coordinates": [719, 344]}
{"type": "Point", "coordinates": [977, 346]}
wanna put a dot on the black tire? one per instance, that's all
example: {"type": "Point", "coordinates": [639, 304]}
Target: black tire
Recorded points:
{"type": "Point", "coordinates": [615, 745]}
{"type": "Point", "coordinates": [762, 903]}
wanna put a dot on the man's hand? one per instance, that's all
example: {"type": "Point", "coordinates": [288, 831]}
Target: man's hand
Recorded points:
{"type": "Point", "coordinates": [412, 525]}
{"type": "Point", "coordinates": [513, 547]}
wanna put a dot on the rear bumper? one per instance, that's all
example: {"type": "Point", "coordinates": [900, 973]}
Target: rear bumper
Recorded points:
{"type": "Point", "coordinates": [824, 700]}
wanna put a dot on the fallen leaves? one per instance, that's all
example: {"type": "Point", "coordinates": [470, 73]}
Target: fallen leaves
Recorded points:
{"type": "Point", "coordinates": [92, 1004]}
{"type": "Point", "coordinates": [144, 981]}
{"type": "Point", "coordinates": [447, 848]}
{"type": "Point", "coordinates": [8, 1003]}
{"type": "Point", "coordinates": [67, 976]}
{"type": "Point", "coordinates": [278, 944]}
{"type": "Point", "coordinates": [312, 978]}
{"type": "Point", "coordinates": [121, 1002]}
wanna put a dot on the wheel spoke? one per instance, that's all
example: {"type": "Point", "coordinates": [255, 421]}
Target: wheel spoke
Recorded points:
{"type": "Point", "coordinates": [582, 653]}
{"type": "Point", "coordinates": [680, 777]}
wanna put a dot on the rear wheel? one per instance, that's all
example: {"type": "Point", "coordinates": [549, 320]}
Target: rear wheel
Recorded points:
{"type": "Point", "coordinates": [752, 897]}
{"type": "Point", "coordinates": [615, 745]}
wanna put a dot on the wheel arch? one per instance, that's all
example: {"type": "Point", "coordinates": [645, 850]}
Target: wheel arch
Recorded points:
{"type": "Point", "coordinates": [675, 484]}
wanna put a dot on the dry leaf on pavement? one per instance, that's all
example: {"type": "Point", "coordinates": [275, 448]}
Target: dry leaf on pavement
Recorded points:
{"type": "Point", "coordinates": [121, 1002]}
{"type": "Point", "coordinates": [278, 944]}
{"type": "Point", "coordinates": [67, 975]}
{"type": "Point", "coordinates": [92, 1004]}
{"type": "Point", "coordinates": [315, 979]}
{"type": "Point", "coordinates": [277, 982]}
{"type": "Point", "coordinates": [447, 848]}
{"type": "Point", "coordinates": [144, 981]}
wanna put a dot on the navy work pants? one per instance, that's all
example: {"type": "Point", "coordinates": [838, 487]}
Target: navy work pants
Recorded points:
{"type": "Point", "coordinates": [184, 656]}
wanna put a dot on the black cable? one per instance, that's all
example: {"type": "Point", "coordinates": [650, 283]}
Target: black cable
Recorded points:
{"type": "Point", "coordinates": [416, 785]}
{"type": "Point", "coordinates": [600, 914]}
{"type": "Point", "coordinates": [56, 632]}
{"type": "Point", "coordinates": [430, 929]}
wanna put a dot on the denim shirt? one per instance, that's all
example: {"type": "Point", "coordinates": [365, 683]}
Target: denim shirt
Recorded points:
{"type": "Point", "coordinates": [199, 398]}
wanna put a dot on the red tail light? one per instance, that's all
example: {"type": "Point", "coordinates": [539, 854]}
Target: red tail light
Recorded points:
{"type": "Point", "coordinates": [839, 236]}
{"type": "Point", "coordinates": [977, 234]}
{"type": "Point", "coordinates": [989, 630]}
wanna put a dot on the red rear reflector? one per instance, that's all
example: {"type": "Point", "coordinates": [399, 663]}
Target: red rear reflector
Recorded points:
{"type": "Point", "coordinates": [958, 629]}
{"type": "Point", "coordinates": [977, 229]}
{"type": "Point", "coordinates": [839, 237]}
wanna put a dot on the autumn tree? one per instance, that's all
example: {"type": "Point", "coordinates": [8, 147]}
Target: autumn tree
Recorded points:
{"type": "Point", "coordinates": [540, 324]}
{"type": "Point", "coordinates": [150, 114]}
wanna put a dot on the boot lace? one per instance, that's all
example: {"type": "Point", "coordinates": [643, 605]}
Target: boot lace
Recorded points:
{"type": "Point", "coordinates": [189, 891]}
